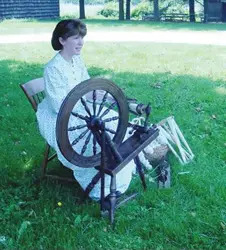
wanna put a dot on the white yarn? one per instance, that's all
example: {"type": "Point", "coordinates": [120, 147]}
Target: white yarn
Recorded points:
{"type": "Point", "coordinates": [149, 148]}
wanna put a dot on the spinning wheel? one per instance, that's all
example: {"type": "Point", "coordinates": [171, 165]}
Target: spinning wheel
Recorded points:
{"type": "Point", "coordinates": [84, 109]}
{"type": "Point", "coordinates": [90, 128]}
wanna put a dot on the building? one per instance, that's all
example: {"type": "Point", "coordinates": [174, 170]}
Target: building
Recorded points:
{"type": "Point", "coordinates": [41, 9]}
{"type": "Point", "coordinates": [215, 10]}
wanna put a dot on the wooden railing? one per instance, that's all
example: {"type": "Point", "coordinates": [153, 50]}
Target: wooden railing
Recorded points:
{"type": "Point", "coordinates": [169, 17]}
{"type": "Point", "coordinates": [175, 17]}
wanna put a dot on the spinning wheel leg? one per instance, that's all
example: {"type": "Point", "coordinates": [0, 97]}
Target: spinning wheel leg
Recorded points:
{"type": "Point", "coordinates": [102, 185]}
{"type": "Point", "coordinates": [140, 171]}
{"type": "Point", "coordinates": [112, 198]}
{"type": "Point", "coordinates": [102, 167]}
{"type": "Point", "coordinates": [91, 185]}
{"type": "Point", "coordinates": [163, 172]}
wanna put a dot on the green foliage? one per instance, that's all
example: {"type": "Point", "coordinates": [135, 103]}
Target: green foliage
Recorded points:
{"type": "Point", "coordinates": [109, 10]}
{"type": "Point", "coordinates": [178, 79]}
{"type": "Point", "coordinates": [142, 9]}
{"type": "Point", "coordinates": [146, 7]}
{"type": "Point", "coordinates": [171, 6]}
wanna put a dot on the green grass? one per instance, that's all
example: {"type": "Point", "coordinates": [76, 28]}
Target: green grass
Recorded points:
{"type": "Point", "coordinates": [190, 215]}
{"type": "Point", "coordinates": [24, 26]}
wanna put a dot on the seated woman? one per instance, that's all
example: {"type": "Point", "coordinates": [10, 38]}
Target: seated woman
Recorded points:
{"type": "Point", "coordinates": [63, 72]}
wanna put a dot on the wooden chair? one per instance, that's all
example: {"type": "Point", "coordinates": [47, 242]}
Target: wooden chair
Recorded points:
{"type": "Point", "coordinates": [34, 91]}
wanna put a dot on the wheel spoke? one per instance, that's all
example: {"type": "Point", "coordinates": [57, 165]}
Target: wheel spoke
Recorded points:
{"type": "Point", "coordinates": [108, 109]}
{"type": "Point", "coordinates": [85, 106]}
{"type": "Point", "coordinates": [111, 119]}
{"type": "Point", "coordinates": [94, 145]}
{"type": "Point", "coordinates": [77, 127]}
{"type": "Point", "coordinates": [102, 103]}
{"type": "Point", "coordinates": [80, 137]}
{"type": "Point", "coordinates": [94, 102]}
{"type": "Point", "coordinates": [110, 130]}
{"type": "Point", "coordinates": [86, 143]}
{"type": "Point", "coordinates": [85, 118]}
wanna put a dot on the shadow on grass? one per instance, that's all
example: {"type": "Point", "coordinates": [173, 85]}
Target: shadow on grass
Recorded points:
{"type": "Point", "coordinates": [195, 103]}
{"type": "Point", "coordinates": [191, 100]}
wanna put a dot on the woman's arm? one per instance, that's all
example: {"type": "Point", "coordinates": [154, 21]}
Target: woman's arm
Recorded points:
{"type": "Point", "coordinates": [85, 74]}
{"type": "Point", "coordinates": [55, 88]}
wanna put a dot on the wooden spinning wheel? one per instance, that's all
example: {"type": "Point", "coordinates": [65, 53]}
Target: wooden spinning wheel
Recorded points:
{"type": "Point", "coordinates": [90, 129]}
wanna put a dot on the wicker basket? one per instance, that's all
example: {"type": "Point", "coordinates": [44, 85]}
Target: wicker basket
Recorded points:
{"type": "Point", "coordinates": [158, 153]}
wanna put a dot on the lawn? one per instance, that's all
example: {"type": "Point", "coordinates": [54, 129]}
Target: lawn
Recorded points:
{"type": "Point", "coordinates": [191, 86]}
{"type": "Point", "coordinates": [24, 26]}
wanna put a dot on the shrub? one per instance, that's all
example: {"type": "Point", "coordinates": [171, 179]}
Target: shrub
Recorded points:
{"type": "Point", "coordinates": [141, 9]}
{"type": "Point", "coordinates": [109, 10]}
{"type": "Point", "coordinates": [171, 6]}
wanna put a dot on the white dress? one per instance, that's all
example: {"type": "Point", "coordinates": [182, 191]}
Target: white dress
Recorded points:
{"type": "Point", "coordinates": [60, 77]}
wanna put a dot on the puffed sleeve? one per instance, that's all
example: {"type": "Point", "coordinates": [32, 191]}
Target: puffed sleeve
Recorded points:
{"type": "Point", "coordinates": [55, 88]}
{"type": "Point", "coordinates": [85, 74]}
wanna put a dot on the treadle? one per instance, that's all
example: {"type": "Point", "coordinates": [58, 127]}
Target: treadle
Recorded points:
{"type": "Point", "coordinates": [129, 149]}
{"type": "Point", "coordinates": [59, 178]}
{"type": "Point", "coordinates": [120, 201]}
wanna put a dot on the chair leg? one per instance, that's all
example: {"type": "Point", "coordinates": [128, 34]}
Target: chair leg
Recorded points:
{"type": "Point", "coordinates": [45, 161]}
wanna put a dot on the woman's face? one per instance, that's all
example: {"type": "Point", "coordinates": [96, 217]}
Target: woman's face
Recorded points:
{"type": "Point", "coordinates": [72, 45]}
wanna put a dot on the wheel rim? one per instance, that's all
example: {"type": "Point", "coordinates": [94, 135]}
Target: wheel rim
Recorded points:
{"type": "Point", "coordinates": [77, 97]}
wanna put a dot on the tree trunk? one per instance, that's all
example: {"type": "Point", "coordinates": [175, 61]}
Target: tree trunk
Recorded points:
{"type": "Point", "coordinates": [82, 9]}
{"type": "Point", "coordinates": [205, 11]}
{"type": "Point", "coordinates": [128, 9]}
{"type": "Point", "coordinates": [156, 10]}
{"type": "Point", "coordinates": [192, 10]}
{"type": "Point", "coordinates": [121, 9]}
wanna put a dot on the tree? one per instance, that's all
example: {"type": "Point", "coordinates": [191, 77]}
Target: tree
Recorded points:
{"type": "Point", "coordinates": [128, 2]}
{"type": "Point", "coordinates": [192, 10]}
{"type": "Point", "coordinates": [82, 9]}
{"type": "Point", "coordinates": [121, 9]}
{"type": "Point", "coordinates": [156, 10]}
{"type": "Point", "coordinates": [205, 2]}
